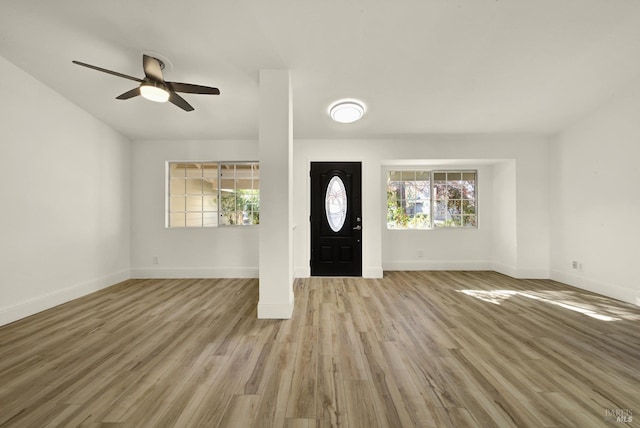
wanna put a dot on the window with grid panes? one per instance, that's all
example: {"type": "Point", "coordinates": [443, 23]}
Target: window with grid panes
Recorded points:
{"type": "Point", "coordinates": [419, 199]}
{"type": "Point", "coordinates": [210, 194]}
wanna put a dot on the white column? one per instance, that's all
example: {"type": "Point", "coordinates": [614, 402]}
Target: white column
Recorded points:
{"type": "Point", "coordinates": [276, 195]}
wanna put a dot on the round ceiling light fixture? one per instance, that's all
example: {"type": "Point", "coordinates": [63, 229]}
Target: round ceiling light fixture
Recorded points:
{"type": "Point", "coordinates": [346, 111]}
{"type": "Point", "coordinates": [154, 91]}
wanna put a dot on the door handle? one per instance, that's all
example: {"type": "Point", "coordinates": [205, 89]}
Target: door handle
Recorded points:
{"type": "Point", "coordinates": [358, 227]}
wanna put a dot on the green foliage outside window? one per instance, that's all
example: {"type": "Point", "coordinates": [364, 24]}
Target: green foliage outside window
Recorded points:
{"type": "Point", "coordinates": [426, 200]}
{"type": "Point", "coordinates": [240, 207]}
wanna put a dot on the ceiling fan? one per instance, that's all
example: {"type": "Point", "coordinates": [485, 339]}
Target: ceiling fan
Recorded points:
{"type": "Point", "coordinates": [153, 87]}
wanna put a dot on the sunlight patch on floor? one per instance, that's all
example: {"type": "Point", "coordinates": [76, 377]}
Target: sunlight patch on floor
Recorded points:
{"type": "Point", "coordinates": [498, 296]}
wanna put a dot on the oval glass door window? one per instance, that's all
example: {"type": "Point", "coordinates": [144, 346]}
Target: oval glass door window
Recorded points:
{"type": "Point", "coordinates": [335, 202]}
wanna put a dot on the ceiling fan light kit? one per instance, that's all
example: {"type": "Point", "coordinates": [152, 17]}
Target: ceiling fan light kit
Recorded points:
{"type": "Point", "coordinates": [154, 92]}
{"type": "Point", "coordinates": [153, 87]}
{"type": "Point", "coordinates": [346, 111]}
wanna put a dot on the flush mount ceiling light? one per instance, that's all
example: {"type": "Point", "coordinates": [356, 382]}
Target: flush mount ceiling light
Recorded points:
{"type": "Point", "coordinates": [346, 111]}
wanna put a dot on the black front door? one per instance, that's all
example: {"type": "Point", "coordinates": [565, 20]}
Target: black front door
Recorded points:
{"type": "Point", "coordinates": [336, 219]}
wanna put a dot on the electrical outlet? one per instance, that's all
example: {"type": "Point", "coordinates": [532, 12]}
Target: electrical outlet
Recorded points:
{"type": "Point", "coordinates": [155, 260]}
{"type": "Point", "coordinates": [420, 254]}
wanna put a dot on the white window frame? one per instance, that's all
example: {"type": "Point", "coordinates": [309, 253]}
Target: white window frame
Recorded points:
{"type": "Point", "coordinates": [430, 220]}
{"type": "Point", "coordinates": [179, 207]}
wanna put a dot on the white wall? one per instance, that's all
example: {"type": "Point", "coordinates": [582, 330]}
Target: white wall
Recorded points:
{"type": "Point", "coordinates": [185, 252]}
{"type": "Point", "coordinates": [595, 202]}
{"type": "Point", "coordinates": [438, 249]}
{"type": "Point", "coordinates": [530, 244]}
{"type": "Point", "coordinates": [64, 184]}
{"type": "Point", "coordinates": [504, 253]}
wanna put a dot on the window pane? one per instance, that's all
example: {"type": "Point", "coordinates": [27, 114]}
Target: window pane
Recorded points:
{"type": "Point", "coordinates": [210, 203]}
{"type": "Point", "coordinates": [177, 203]}
{"type": "Point", "coordinates": [176, 219]}
{"type": "Point", "coordinates": [453, 207]}
{"type": "Point", "coordinates": [210, 170]}
{"type": "Point", "coordinates": [410, 208]}
{"type": "Point", "coordinates": [194, 219]}
{"type": "Point", "coordinates": [228, 200]}
{"type": "Point", "coordinates": [243, 184]}
{"type": "Point", "coordinates": [408, 175]}
{"type": "Point", "coordinates": [194, 203]}
{"type": "Point", "coordinates": [423, 189]}
{"type": "Point", "coordinates": [469, 207]}
{"type": "Point", "coordinates": [440, 214]}
{"type": "Point", "coordinates": [227, 171]}
{"type": "Point", "coordinates": [194, 171]}
{"type": "Point", "coordinates": [244, 171]}
{"type": "Point", "coordinates": [440, 190]}
{"type": "Point", "coordinates": [439, 176]}
{"type": "Point", "coordinates": [210, 186]}
{"type": "Point", "coordinates": [227, 184]}
{"type": "Point", "coordinates": [210, 219]}
{"type": "Point", "coordinates": [469, 176]}
{"type": "Point", "coordinates": [409, 189]}
{"type": "Point", "coordinates": [469, 189]}
{"type": "Point", "coordinates": [395, 176]}
{"type": "Point", "coordinates": [454, 191]}
{"type": "Point", "coordinates": [423, 176]}
{"type": "Point", "coordinates": [336, 204]}
{"type": "Point", "coordinates": [470, 221]}
{"type": "Point", "coordinates": [231, 218]}
{"type": "Point", "coordinates": [395, 211]}
{"type": "Point", "coordinates": [177, 186]}
{"type": "Point", "coordinates": [194, 186]}
{"type": "Point", "coordinates": [454, 176]}
{"type": "Point", "coordinates": [177, 170]}
{"type": "Point", "coordinates": [394, 187]}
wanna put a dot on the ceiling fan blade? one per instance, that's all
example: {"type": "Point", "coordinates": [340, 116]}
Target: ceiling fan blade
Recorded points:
{"type": "Point", "coordinates": [104, 70]}
{"type": "Point", "coordinates": [129, 94]}
{"type": "Point", "coordinates": [192, 89]}
{"type": "Point", "coordinates": [152, 68]}
{"type": "Point", "coordinates": [180, 102]}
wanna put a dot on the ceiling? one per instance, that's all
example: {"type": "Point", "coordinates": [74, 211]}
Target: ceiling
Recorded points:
{"type": "Point", "coordinates": [421, 66]}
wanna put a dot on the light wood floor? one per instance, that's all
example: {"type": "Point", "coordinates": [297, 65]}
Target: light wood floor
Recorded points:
{"type": "Point", "coordinates": [428, 349]}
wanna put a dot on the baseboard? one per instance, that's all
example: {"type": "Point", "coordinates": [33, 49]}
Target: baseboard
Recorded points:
{"type": "Point", "coordinates": [302, 272]}
{"type": "Point", "coordinates": [194, 272]}
{"type": "Point", "coordinates": [370, 272]}
{"type": "Point", "coordinates": [277, 311]}
{"type": "Point", "coordinates": [532, 273]}
{"type": "Point", "coordinates": [598, 287]}
{"type": "Point", "coordinates": [437, 265]}
{"type": "Point", "coordinates": [9, 314]}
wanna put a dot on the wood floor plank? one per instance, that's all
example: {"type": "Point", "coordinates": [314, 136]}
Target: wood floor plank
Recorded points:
{"type": "Point", "coordinates": [361, 412]}
{"type": "Point", "coordinates": [330, 403]}
{"type": "Point", "coordinates": [411, 349]}
{"type": "Point", "coordinates": [302, 402]}
{"type": "Point", "coordinates": [277, 387]}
